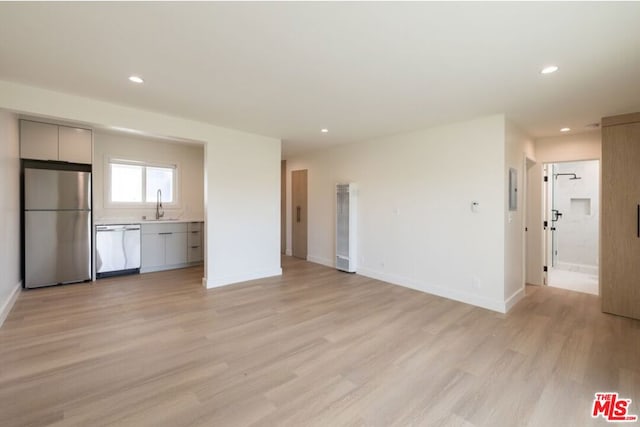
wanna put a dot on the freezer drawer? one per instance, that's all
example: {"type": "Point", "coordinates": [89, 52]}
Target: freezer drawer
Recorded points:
{"type": "Point", "coordinates": [57, 247]}
{"type": "Point", "coordinates": [117, 249]}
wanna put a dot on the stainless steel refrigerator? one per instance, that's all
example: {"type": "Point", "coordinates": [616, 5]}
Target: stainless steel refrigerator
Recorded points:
{"type": "Point", "coordinates": [57, 225]}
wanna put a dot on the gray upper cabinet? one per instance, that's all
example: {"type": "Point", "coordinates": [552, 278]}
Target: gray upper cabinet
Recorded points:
{"type": "Point", "coordinates": [45, 141]}
{"type": "Point", "coordinates": [74, 144]}
{"type": "Point", "coordinates": [38, 141]}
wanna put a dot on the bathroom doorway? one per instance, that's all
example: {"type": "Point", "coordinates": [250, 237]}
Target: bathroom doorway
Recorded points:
{"type": "Point", "coordinates": [572, 215]}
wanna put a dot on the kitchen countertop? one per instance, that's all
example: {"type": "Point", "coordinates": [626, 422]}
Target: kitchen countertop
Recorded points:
{"type": "Point", "coordinates": [118, 221]}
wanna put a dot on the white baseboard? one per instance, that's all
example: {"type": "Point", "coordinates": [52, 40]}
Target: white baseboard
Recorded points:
{"type": "Point", "coordinates": [453, 294]}
{"type": "Point", "coordinates": [513, 299]}
{"type": "Point", "coordinates": [8, 304]}
{"type": "Point", "coordinates": [445, 292]}
{"type": "Point", "coordinates": [216, 282]}
{"type": "Point", "coordinates": [321, 260]}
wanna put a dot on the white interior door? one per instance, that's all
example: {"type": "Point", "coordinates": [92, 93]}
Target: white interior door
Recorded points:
{"type": "Point", "coordinates": [548, 229]}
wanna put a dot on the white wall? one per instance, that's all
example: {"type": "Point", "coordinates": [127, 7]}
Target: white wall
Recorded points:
{"type": "Point", "coordinates": [188, 157]}
{"type": "Point", "coordinates": [233, 254]}
{"type": "Point", "coordinates": [566, 148]}
{"type": "Point", "coordinates": [415, 224]}
{"type": "Point", "coordinates": [581, 146]}
{"type": "Point", "coordinates": [243, 199]}
{"type": "Point", "coordinates": [579, 202]}
{"type": "Point", "coordinates": [10, 249]}
{"type": "Point", "coordinates": [517, 146]}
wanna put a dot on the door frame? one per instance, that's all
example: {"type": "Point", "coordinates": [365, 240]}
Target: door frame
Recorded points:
{"type": "Point", "coordinates": [304, 212]}
{"type": "Point", "coordinates": [547, 204]}
{"type": "Point", "coordinates": [528, 163]}
{"type": "Point", "coordinates": [283, 206]}
{"type": "Point", "coordinates": [547, 195]}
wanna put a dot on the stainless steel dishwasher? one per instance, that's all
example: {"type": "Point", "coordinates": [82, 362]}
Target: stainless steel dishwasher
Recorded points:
{"type": "Point", "coordinates": [117, 250]}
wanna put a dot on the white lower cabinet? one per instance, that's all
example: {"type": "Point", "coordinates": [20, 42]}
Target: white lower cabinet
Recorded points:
{"type": "Point", "coordinates": [175, 248]}
{"type": "Point", "coordinates": [194, 242]}
{"type": "Point", "coordinates": [167, 246]}
{"type": "Point", "coordinates": [152, 250]}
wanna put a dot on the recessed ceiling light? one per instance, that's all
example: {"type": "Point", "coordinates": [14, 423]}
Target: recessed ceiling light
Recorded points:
{"type": "Point", "coordinates": [136, 79]}
{"type": "Point", "coordinates": [324, 130]}
{"type": "Point", "coordinates": [549, 69]}
{"type": "Point", "coordinates": [565, 129]}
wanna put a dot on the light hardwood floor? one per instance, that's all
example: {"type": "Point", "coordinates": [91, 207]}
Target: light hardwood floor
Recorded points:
{"type": "Point", "coordinates": [314, 347]}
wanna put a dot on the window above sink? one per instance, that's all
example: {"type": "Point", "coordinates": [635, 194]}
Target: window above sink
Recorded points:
{"type": "Point", "coordinates": [133, 183]}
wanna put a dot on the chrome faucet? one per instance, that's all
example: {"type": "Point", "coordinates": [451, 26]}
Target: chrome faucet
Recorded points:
{"type": "Point", "coordinates": [159, 210]}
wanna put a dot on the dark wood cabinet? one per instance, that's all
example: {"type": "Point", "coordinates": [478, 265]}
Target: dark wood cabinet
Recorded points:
{"type": "Point", "coordinates": [620, 220]}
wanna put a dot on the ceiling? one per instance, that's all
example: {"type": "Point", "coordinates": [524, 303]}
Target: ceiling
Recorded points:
{"type": "Point", "coordinates": [362, 70]}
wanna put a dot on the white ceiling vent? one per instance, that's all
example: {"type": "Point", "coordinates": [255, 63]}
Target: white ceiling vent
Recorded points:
{"type": "Point", "coordinates": [346, 227]}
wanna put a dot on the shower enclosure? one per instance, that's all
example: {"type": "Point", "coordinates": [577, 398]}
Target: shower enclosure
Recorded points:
{"type": "Point", "coordinates": [573, 206]}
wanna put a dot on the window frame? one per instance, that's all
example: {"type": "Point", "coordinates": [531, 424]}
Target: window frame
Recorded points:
{"type": "Point", "coordinates": [127, 160]}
